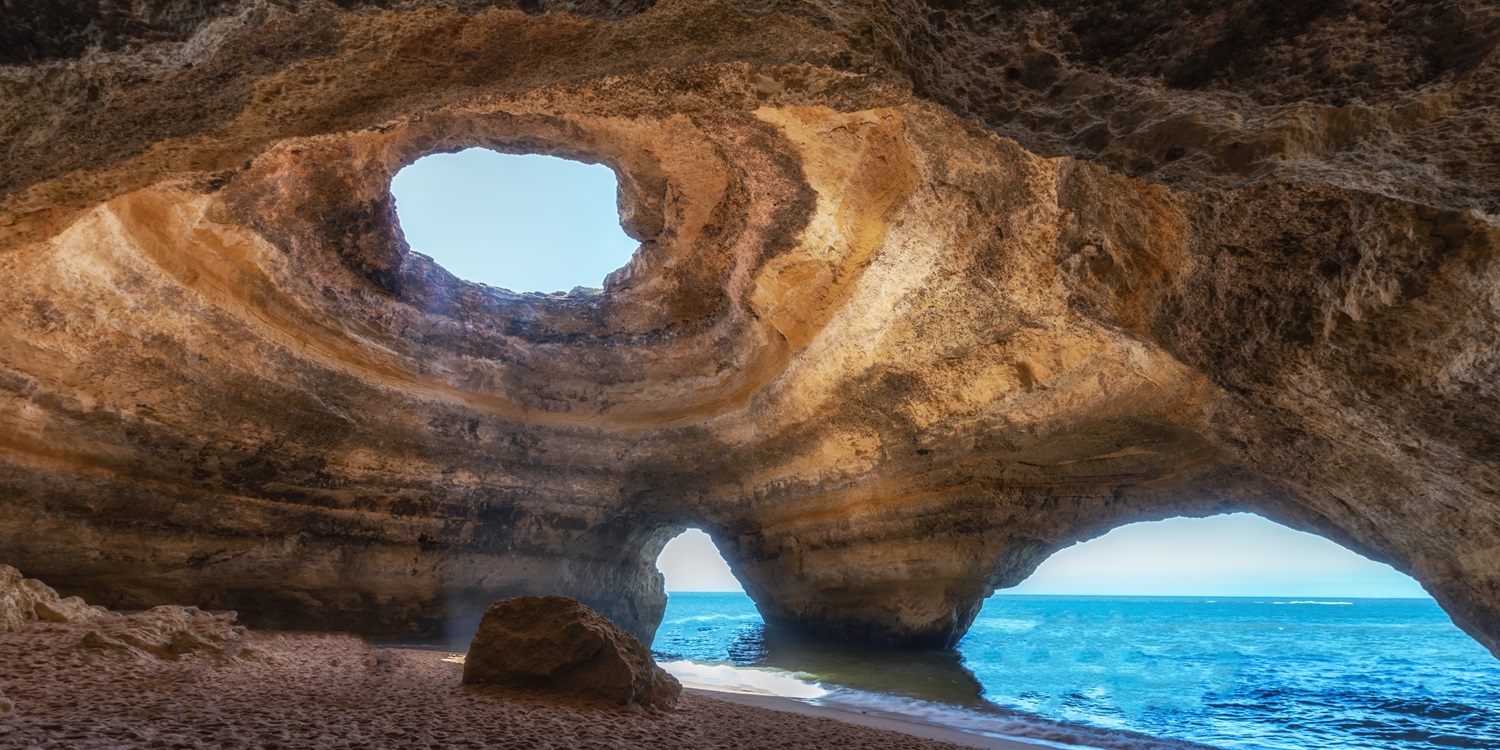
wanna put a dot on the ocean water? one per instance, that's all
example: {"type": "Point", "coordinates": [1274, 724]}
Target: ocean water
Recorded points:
{"type": "Point", "coordinates": [1134, 672]}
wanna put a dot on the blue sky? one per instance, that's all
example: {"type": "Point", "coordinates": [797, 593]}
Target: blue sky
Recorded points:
{"type": "Point", "coordinates": [523, 223]}
{"type": "Point", "coordinates": [538, 223]}
{"type": "Point", "coordinates": [1231, 555]}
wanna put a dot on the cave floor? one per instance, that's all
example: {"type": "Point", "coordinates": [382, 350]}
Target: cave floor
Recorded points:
{"type": "Point", "coordinates": [328, 691]}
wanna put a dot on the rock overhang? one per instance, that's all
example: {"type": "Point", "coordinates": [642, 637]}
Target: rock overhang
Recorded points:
{"type": "Point", "coordinates": [888, 358]}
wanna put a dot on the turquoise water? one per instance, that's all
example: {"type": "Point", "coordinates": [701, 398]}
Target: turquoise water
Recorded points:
{"type": "Point", "coordinates": [1138, 672]}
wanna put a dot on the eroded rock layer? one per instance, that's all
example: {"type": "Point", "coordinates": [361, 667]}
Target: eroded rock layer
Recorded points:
{"type": "Point", "coordinates": [925, 293]}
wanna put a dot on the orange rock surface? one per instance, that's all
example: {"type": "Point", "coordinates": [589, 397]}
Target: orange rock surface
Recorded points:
{"type": "Point", "coordinates": [924, 294]}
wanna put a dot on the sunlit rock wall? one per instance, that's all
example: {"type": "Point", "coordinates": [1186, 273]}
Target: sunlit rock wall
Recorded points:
{"type": "Point", "coordinates": [924, 294]}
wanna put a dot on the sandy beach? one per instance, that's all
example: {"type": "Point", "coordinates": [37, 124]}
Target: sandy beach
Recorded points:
{"type": "Point", "coordinates": [941, 736]}
{"type": "Point", "coordinates": [282, 691]}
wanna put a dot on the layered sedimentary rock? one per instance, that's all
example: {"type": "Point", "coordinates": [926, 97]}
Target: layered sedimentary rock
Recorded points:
{"type": "Point", "coordinates": [925, 293]}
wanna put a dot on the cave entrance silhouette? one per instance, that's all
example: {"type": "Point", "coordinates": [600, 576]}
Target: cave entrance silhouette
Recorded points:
{"type": "Point", "coordinates": [1170, 628]}
{"type": "Point", "coordinates": [526, 223]}
{"type": "Point", "coordinates": [1236, 554]}
{"type": "Point", "coordinates": [691, 563]}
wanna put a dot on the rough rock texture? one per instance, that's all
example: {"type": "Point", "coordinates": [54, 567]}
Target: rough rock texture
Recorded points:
{"type": "Point", "coordinates": [27, 600]}
{"type": "Point", "coordinates": [926, 291]}
{"type": "Point", "coordinates": [169, 632]}
{"type": "Point", "coordinates": [164, 632]}
{"type": "Point", "coordinates": [554, 643]}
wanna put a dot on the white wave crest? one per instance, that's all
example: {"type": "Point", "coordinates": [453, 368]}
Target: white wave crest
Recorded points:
{"type": "Point", "coordinates": [999, 723]}
{"type": "Point", "coordinates": [713, 618]}
{"type": "Point", "coordinates": [756, 681]}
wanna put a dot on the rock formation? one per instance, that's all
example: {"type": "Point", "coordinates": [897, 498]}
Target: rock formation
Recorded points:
{"type": "Point", "coordinates": [926, 291]}
{"type": "Point", "coordinates": [164, 632]}
{"type": "Point", "coordinates": [169, 632]}
{"type": "Point", "coordinates": [27, 600]}
{"type": "Point", "coordinates": [554, 643]}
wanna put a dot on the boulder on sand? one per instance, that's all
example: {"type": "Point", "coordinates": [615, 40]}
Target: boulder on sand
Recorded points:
{"type": "Point", "coordinates": [555, 643]}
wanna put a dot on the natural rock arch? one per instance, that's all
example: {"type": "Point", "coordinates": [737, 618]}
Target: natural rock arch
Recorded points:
{"type": "Point", "coordinates": [889, 357]}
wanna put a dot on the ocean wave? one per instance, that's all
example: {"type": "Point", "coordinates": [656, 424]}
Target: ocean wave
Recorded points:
{"type": "Point", "coordinates": [1388, 674]}
{"type": "Point", "coordinates": [736, 679]}
{"type": "Point", "coordinates": [1005, 625]}
{"type": "Point", "coordinates": [1430, 709]}
{"type": "Point", "coordinates": [993, 722]}
{"type": "Point", "coordinates": [999, 722]}
{"type": "Point", "coordinates": [713, 618]}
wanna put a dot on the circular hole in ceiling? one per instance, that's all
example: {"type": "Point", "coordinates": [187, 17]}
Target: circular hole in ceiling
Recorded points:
{"type": "Point", "coordinates": [524, 223]}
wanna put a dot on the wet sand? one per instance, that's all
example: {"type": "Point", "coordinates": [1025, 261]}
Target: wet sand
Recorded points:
{"type": "Point", "coordinates": [282, 691]}
{"type": "Point", "coordinates": [944, 736]}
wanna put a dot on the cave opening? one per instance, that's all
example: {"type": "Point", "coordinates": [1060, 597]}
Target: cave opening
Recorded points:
{"type": "Point", "coordinates": [1176, 628]}
{"type": "Point", "coordinates": [525, 223]}
{"type": "Point", "coordinates": [1172, 627]}
{"type": "Point", "coordinates": [710, 626]}
{"type": "Point", "coordinates": [1229, 555]}
{"type": "Point", "coordinates": [691, 563]}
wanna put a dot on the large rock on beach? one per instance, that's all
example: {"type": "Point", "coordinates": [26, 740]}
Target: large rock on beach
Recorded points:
{"type": "Point", "coordinates": [557, 644]}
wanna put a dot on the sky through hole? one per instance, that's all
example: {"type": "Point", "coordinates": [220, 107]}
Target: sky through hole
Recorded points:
{"type": "Point", "coordinates": [524, 223]}
{"type": "Point", "coordinates": [1239, 554]}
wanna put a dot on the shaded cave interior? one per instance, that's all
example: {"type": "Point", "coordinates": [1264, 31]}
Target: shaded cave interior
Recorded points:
{"type": "Point", "coordinates": [786, 641]}
{"type": "Point", "coordinates": [644, 613]}
{"type": "Point", "coordinates": [888, 358]}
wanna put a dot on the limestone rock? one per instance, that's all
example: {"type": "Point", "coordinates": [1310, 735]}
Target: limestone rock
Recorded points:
{"type": "Point", "coordinates": [169, 632]}
{"type": "Point", "coordinates": [27, 600]}
{"type": "Point", "coordinates": [555, 643]}
{"type": "Point", "coordinates": [926, 292]}
{"type": "Point", "coordinates": [165, 632]}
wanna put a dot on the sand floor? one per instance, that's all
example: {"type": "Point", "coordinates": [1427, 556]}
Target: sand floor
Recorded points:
{"type": "Point", "coordinates": [317, 691]}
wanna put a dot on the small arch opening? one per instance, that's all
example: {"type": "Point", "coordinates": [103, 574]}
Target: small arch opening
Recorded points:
{"type": "Point", "coordinates": [692, 564]}
{"type": "Point", "coordinates": [525, 223]}
{"type": "Point", "coordinates": [711, 628]}
{"type": "Point", "coordinates": [712, 636]}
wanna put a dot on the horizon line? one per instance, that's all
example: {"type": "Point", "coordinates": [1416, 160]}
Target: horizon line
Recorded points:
{"type": "Point", "coordinates": [1153, 596]}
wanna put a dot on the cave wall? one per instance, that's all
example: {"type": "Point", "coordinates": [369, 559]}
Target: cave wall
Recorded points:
{"type": "Point", "coordinates": [925, 292]}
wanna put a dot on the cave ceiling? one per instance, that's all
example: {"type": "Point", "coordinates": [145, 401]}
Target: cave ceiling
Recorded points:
{"type": "Point", "coordinates": [925, 292]}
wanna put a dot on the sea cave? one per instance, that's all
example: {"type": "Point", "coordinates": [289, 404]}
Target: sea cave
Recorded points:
{"type": "Point", "coordinates": [911, 296]}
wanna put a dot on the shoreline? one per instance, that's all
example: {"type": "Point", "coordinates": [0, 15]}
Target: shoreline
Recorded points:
{"type": "Point", "coordinates": [886, 722]}
{"type": "Point", "coordinates": [83, 686]}
{"type": "Point", "coordinates": [992, 728]}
